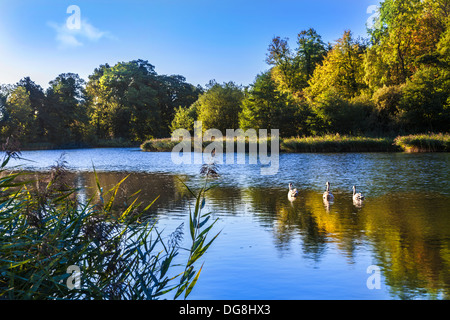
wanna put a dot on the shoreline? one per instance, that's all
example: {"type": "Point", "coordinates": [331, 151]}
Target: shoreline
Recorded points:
{"type": "Point", "coordinates": [334, 144]}
{"type": "Point", "coordinates": [317, 144]}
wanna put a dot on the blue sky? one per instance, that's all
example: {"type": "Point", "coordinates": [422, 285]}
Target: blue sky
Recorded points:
{"type": "Point", "coordinates": [225, 40]}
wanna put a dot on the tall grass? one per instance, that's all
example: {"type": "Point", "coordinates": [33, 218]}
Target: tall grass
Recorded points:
{"type": "Point", "coordinates": [167, 145]}
{"type": "Point", "coordinates": [329, 143]}
{"type": "Point", "coordinates": [424, 142]}
{"type": "Point", "coordinates": [337, 143]}
{"type": "Point", "coordinates": [121, 255]}
{"type": "Point", "coordinates": [159, 145]}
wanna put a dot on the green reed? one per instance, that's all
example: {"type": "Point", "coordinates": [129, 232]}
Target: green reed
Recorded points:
{"type": "Point", "coordinates": [337, 143]}
{"type": "Point", "coordinates": [121, 255]}
{"type": "Point", "coordinates": [167, 145]}
{"type": "Point", "coordinates": [424, 142]}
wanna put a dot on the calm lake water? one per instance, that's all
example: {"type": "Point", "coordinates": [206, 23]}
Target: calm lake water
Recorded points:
{"type": "Point", "coordinates": [272, 248]}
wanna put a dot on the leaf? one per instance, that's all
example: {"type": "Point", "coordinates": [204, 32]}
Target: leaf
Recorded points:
{"type": "Point", "coordinates": [203, 203]}
{"type": "Point", "coordinates": [191, 226]}
{"type": "Point", "coordinates": [194, 281]}
{"type": "Point", "coordinates": [5, 162]}
{"type": "Point", "coordinates": [127, 211]}
{"type": "Point", "coordinates": [201, 224]}
{"type": "Point", "coordinates": [97, 181]}
{"type": "Point", "coordinates": [114, 191]}
{"type": "Point", "coordinates": [186, 187]}
{"type": "Point", "coordinates": [148, 207]}
{"type": "Point", "coordinates": [199, 253]}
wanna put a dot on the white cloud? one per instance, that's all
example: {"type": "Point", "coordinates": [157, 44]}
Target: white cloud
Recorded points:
{"type": "Point", "coordinates": [71, 38]}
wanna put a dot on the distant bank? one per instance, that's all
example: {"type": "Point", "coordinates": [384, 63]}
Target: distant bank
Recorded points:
{"type": "Point", "coordinates": [330, 143]}
{"type": "Point", "coordinates": [337, 143]}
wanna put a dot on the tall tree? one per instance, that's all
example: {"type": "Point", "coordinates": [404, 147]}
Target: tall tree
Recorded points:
{"type": "Point", "coordinates": [37, 101]}
{"type": "Point", "coordinates": [174, 92]}
{"type": "Point", "coordinates": [310, 52]}
{"type": "Point", "coordinates": [403, 32]}
{"type": "Point", "coordinates": [292, 69]}
{"type": "Point", "coordinates": [265, 107]}
{"type": "Point", "coordinates": [342, 70]}
{"type": "Point", "coordinates": [124, 100]}
{"type": "Point", "coordinates": [64, 114]}
{"type": "Point", "coordinates": [220, 105]}
{"type": "Point", "coordinates": [4, 92]}
{"type": "Point", "coordinates": [19, 115]}
{"type": "Point", "coordinates": [280, 56]}
{"type": "Point", "coordinates": [425, 104]}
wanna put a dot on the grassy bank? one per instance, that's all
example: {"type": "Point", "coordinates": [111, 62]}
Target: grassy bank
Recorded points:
{"type": "Point", "coordinates": [101, 143]}
{"type": "Point", "coordinates": [166, 144]}
{"type": "Point", "coordinates": [424, 143]}
{"type": "Point", "coordinates": [329, 143]}
{"type": "Point", "coordinates": [336, 143]}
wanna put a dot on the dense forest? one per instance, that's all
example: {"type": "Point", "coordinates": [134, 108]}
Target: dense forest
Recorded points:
{"type": "Point", "coordinates": [395, 81]}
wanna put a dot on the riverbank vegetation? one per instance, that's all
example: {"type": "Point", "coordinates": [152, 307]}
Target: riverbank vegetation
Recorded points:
{"type": "Point", "coordinates": [54, 246]}
{"type": "Point", "coordinates": [395, 82]}
{"type": "Point", "coordinates": [330, 143]}
{"type": "Point", "coordinates": [424, 143]}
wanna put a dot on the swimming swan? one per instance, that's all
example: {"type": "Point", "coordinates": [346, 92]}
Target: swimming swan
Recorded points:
{"type": "Point", "coordinates": [327, 195]}
{"type": "Point", "coordinates": [357, 196]}
{"type": "Point", "coordinates": [292, 192]}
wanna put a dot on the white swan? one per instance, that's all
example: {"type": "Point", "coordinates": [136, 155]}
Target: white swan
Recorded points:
{"type": "Point", "coordinates": [327, 195]}
{"type": "Point", "coordinates": [357, 196]}
{"type": "Point", "coordinates": [293, 193]}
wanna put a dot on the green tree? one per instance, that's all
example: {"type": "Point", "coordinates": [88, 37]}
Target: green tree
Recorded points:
{"type": "Point", "coordinates": [292, 70]}
{"type": "Point", "coordinates": [264, 107]}
{"type": "Point", "coordinates": [425, 105]}
{"type": "Point", "coordinates": [342, 70]}
{"type": "Point", "coordinates": [333, 114]}
{"type": "Point", "coordinates": [387, 103]}
{"type": "Point", "coordinates": [405, 31]}
{"type": "Point", "coordinates": [175, 92]}
{"type": "Point", "coordinates": [220, 105]}
{"type": "Point", "coordinates": [131, 101]}
{"type": "Point", "coordinates": [19, 115]}
{"type": "Point", "coordinates": [4, 92]}
{"type": "Point", "coordinates": [443, 47]}
{"type": "Point", "coordinates": [37, 101]}
{"type": "Point", "coordinates": [310, 52]}
{"type": "Point", "coordinates": [64, 115]}
{"type": "Point", "coordinates": [124, 100]}
{"type": "Point", "coordinates": [285, 69]}
{"type": "Point", "coordinates": [184, 118]}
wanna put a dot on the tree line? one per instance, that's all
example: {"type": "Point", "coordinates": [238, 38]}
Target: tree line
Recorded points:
{"type": "Point", "coordinates": [395, 81]}
{"type": "Point", "coordinates": [127, 101]}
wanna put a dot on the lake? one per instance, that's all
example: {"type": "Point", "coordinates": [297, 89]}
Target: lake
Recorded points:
{"type": "Point", "coordinates": [273, 248]}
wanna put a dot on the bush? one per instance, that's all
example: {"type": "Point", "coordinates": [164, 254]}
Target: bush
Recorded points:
{"type": "Point", "coordinates": [425, 105]}
{"type": "Point", "coordinates": [332, 114]}
{"type": "Point", "coordinates": [387, 101]}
